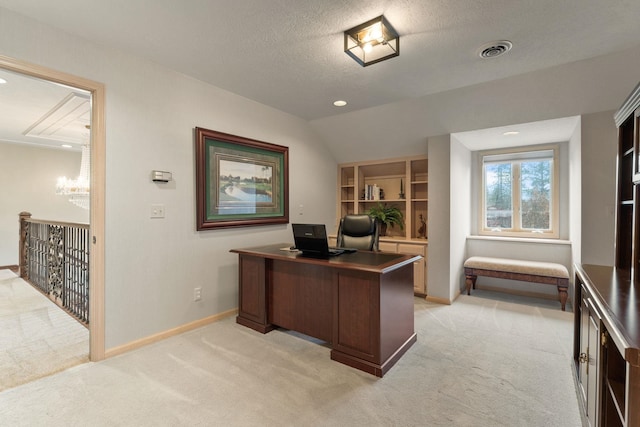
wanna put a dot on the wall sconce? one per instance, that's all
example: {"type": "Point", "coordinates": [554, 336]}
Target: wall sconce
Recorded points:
{"type": "Point", "coordinates": [372, 42]}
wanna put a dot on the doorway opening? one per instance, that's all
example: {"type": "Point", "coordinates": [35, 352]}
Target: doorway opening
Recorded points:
{"type": "Point", "coordinates": [97, 194]}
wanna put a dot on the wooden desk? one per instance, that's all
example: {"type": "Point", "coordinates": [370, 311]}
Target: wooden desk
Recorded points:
{"type": "Point", "coordinates": [360, 303]}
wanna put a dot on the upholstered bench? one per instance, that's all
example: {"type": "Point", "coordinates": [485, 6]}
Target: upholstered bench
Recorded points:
{"type": "Point", "coordinates": [528, 271]}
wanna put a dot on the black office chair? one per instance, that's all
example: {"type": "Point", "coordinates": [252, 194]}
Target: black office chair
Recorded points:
{"type": "Point", "coordinates": [359, 232]}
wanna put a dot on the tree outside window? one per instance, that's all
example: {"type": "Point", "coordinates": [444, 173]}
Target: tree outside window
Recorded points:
{"type": "Point", "coordinates": [498, 195]}
{"type": "Point", "coordinates": [518, 193]}
{"type": "Point", "coordinates": [535, 195]}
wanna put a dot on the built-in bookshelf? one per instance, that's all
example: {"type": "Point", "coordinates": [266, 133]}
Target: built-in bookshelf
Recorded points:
{"type": "Point", "coordinates": [419, 196]}
{"type": "Point", "coordinates": [400, 182]}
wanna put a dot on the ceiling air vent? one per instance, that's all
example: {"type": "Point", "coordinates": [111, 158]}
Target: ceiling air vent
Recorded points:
{"type": "Point", "coordinates": [493, 49]}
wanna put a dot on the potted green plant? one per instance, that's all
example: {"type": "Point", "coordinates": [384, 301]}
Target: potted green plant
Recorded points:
{"type": "Point", "coordinates": [387, 215]}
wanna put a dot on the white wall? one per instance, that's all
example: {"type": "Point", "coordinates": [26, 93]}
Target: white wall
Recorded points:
{"type": "Point", "coordinates": [152, 265]}
{"type": "Point", "coordinates": [575, 198]}
{"type": "Point", "coordinates": [28, 176]}
{"type": "Point", "coordinates": [460, 226]}
{"type": "Point", "coordinates": [599, 148]}
{"type": "Point", "coordinates": [438, 257]}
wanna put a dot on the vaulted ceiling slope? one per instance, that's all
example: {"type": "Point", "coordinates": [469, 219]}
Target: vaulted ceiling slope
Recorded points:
{"type": "Point", "coordinates": [288, 54]}
{"type": "Point", "coordinates": [588, 86]}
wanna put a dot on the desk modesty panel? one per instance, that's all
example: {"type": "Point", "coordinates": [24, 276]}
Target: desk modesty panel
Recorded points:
{"type": "Point", "coordinates": [360, 303]}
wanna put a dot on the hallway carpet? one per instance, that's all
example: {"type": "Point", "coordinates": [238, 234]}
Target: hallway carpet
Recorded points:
{"type": "Point", "coordinates": [37, 338]}
{"type": "Point", "coordinates": [486, 360]}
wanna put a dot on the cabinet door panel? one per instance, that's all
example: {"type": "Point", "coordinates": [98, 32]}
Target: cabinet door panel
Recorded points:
{"type": "Point", "coordinates": [301, 298]}
{"type": "Point", "coordinates": [404, 248]}
{"type": "Point", "coordinates": [419, 267]}
{"type": "Point", "coordinates": [592, 365]}
{"type": "Point", "coordinates": [584, 346]}
{"type": "Point", "coordinates": [253, 289]}
{"type": "Point", "coordinates": [388, 247]}
{"type": "Point", "coordinates": [357, 319]}
{"type": "Point", "coordinates": [418, 277]}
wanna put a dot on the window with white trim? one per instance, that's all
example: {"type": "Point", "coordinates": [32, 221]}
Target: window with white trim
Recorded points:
{"type": "Point", "coordinates": [520, 193]}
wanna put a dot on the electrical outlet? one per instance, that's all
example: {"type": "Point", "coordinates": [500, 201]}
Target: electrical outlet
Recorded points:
{"type": "Point", "coordinates": [197, 294]}
{"type": "Point", "coordinates": [157, 211]}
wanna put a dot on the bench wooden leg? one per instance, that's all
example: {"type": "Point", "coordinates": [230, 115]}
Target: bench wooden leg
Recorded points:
{"type": "Point", "coordinates": [470, 281]}
{"type": "Point", "coordinates": [562, 292]}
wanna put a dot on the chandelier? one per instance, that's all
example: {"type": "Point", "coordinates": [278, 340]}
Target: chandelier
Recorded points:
{"type": "Point", "coordinates": [77, 190]}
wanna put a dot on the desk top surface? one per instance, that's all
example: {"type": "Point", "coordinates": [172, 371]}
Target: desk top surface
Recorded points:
{"type": "Point", "coordinates": [377, 262]}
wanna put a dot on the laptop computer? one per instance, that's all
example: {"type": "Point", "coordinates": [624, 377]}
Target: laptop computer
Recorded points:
{"type": "Point", "coordinates": [311, 239]}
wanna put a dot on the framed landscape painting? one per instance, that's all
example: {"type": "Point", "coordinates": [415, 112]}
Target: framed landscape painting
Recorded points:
{"type": "Point", "coordinates": [240, 181]}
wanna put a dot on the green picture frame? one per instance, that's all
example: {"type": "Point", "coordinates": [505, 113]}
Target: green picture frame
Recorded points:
{"type": "Point", "coordinates": [240, 182]}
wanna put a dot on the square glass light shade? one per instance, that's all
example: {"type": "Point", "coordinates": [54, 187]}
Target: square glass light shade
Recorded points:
{"type": "Point", "coordinates": [372, 42]}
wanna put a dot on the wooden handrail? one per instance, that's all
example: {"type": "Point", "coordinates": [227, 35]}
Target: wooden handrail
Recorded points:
{"type": "Point", "coordinates": [60, 223]}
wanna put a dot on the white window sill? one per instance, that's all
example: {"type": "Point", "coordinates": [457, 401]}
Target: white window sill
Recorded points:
{"type": "Point", "coordinates": [521, 240]}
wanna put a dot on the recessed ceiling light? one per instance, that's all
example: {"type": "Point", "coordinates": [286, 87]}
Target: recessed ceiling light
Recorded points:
{"type": "Point", "coordinates": [340, 103]}
{"type": "Point", "coordinates": [66, 146]}
{"type": "Point", "coordinates": [2, 81]}
{"type": "Point", "coordinates": [511, 132]}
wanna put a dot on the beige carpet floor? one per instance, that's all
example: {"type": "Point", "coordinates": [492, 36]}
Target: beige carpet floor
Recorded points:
{"type": "Point", "coordinates": [486, 360]}
{"type": "Point", "coordinates": [37, 338]}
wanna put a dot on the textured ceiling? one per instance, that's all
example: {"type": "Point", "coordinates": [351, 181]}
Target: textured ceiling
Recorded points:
{"type": "Point", "coordinates": [289, 53]}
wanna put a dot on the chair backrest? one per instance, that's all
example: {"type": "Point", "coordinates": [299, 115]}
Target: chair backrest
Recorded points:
{"type": "Point", "coordinates": [359, 232]}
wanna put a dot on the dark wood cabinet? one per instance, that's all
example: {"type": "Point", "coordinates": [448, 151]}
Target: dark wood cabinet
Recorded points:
{"type": "Point", "coordinates": [628, 177]}
{"type": "Point", "coordinates": [587, 350]}
{"type": "Point", "coordinates": [607, 346]}
{"type": "Point", "coordinates": [606, 349]}
{"type": "Point", "coordinates": [625, 196]}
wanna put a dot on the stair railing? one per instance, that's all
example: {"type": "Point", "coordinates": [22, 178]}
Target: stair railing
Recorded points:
{"type": "Point", "coordinates": [54, 258]}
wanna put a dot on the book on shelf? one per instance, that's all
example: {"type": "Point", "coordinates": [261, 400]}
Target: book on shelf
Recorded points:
{"type": "Point", "coordinates": [372, 192]}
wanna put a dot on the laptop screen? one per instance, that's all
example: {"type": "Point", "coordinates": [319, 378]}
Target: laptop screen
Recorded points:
{"type": "Point", "coordinates": [311, 239]}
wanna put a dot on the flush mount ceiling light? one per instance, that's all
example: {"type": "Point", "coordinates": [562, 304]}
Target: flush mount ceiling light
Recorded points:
{"type": "Point", "coordinates": [372, 42]}
{"type": "Point", "coordinates": [340, 103]}
{"type": "Point", "coordinates": [493, 49]}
